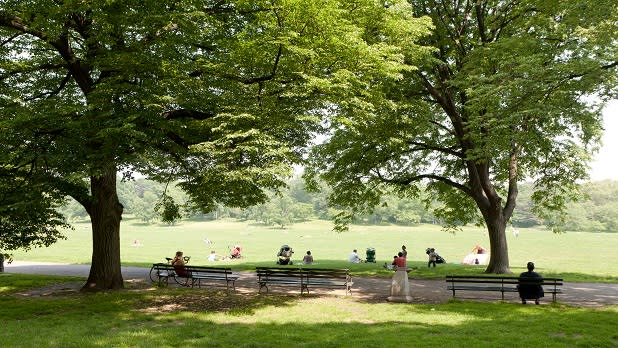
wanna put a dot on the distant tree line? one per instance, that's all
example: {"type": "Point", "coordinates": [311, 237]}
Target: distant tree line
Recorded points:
{"type": "Point", "coordinates": [597, 212]}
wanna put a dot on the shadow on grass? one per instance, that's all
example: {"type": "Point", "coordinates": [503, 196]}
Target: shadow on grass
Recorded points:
{"type": "Point", "coordinates": [211, 301]}
{"type": "Point", "coordinates": [179, 318]}
{"type": "Point", "coordinates": [12, 283]}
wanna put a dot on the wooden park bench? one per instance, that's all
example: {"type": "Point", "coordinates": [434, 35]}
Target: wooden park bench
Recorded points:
{"type": "Point", "coordinates": [328, 278]}
{"type": "Point", "coordinates": [195, 276]}
{"type": "Point", "coordinates": [304, 278]}
{"type": "Point", "coordinates": [500, 284]}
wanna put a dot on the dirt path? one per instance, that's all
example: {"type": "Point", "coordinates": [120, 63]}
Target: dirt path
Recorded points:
{"type": "Point", "coordinates": [367, 289]}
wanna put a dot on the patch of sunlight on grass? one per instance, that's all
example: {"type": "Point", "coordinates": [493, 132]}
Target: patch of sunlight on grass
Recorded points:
{"type": "Point", "coordinates": [346, 311]}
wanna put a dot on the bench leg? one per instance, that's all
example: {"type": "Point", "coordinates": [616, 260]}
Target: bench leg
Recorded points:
{"type": "Point", "coordinates": [227, 285]}
{"type": "Point", "coordinates": [263, 285]}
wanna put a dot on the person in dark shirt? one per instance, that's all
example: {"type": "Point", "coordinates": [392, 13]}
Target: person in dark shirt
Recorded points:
{"type": "Point", "coordinates": [530, 285]}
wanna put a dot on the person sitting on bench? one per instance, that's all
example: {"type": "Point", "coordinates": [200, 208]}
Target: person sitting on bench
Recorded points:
{"type": "Point", "coordinates": [530, 285]}
{"type": "Point", "coordinates": [179, 267]}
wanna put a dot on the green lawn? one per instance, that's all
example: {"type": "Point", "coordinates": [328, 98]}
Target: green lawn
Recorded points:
{"type": "Point", "coordinates": [177, 317]}
{"type": "Point", "coordinates": [574, 255]}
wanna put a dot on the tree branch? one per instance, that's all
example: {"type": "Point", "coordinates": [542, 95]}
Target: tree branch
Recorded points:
{"type": "Point", "coordinates": [423, 146]}
{"type": "Point", "coordinates": [185, 113]}
{"type": "Point", "coordinates": [11, 38]}
{"type": "Point", "coordinates": [511, 197]}
{"type": "Point", "coordinates": [61, 44]}
{"type": "Point", "coordinates": [415, 178]}
{"type": "Point", "coordinates": [54, 92]}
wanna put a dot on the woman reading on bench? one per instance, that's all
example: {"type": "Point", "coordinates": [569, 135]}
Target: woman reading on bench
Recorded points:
{"type": "Point", "coordinates": [179, 267]}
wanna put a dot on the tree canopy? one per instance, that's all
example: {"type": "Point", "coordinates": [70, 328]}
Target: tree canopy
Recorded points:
{"type": "Point", "coordinates": [506, 94]}
{"type": "Point", "coordinates": [221, 96]}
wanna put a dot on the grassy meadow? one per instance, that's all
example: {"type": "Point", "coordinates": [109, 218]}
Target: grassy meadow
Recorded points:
{"type": "Point", "coordinates": [575, 253]}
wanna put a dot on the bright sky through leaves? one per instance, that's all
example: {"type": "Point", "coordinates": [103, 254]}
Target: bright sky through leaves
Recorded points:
{"type": "Point", "coordinates": [605, 165]}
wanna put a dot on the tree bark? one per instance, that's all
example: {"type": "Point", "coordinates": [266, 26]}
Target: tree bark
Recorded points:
{"type": "Point", "coordinates": [495, 215]}
{"type": "Point", "coordinates": [499, 257]}
{"type": "Point", "coordinates": [105, 213]}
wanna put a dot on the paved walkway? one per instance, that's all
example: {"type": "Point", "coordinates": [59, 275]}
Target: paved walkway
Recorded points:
{"type": "Point", "coordinates": [369, 289]}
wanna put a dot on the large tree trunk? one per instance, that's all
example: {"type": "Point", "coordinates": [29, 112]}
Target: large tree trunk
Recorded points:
{"type": "Point", "coordinates": [105, 214]}
{"type": "Point", "coordinates": [495, 215]}
{"type": "Point", "coordinates": [499, 257]}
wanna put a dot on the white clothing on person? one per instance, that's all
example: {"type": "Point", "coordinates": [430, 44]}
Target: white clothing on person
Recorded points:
{"type": "Point", "coordinates": [353, 258]}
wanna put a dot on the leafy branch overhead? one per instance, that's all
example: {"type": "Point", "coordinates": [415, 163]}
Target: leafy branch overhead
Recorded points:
{"type": "Point", "coordinates": [221, 96]}
{"type": "Point", "coordinates": [510, 91]}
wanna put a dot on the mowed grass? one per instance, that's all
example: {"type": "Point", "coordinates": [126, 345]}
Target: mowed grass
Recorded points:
{"type": "Point", "coordinates": [176, 317]}
{"type": "Point", "coordinates": [572, 255]}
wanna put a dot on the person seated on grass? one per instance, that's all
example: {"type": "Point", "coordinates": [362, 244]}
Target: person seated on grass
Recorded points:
{"type": "Point", "coordinates": [179, 263]}
{"type": "Point", "coordinates": [530, 285]}
{"type": "Point", "coordinates": [308, 259]}
{"type": "Point", "coordinates": [235, 252]}
{"type": "Point", "coordinates": [354, 258]}
{"type": "Point", "coordinates": [284, 256]}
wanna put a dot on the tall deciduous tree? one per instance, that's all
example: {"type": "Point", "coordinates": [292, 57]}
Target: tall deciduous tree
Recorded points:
{"type": "Point", "coordinates": [505, 95]}
{"type": "Point", "coordinates": [219, 95]}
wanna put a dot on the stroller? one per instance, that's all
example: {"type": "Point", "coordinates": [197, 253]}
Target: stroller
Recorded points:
{"type": "Point", "coordinates": [371, 255]}
{"type": "Point", "coordinates": [284, 255]}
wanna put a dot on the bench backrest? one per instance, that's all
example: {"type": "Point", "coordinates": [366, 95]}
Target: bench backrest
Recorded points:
{"type": "Point", "coordinates": [163, 266]}
{"type": "Point", "coordinates": [272, 273]}
{"type": "Point", "coordinates": [326, 273]}
{"type": "Point", "coordinates": [503, 280]}
{"type": "Point", "coordinates": [206, 269]}
{"type": "Point", "coordinates": [293, 272]}
{"type": "Point", "coordinates": [191, 269]}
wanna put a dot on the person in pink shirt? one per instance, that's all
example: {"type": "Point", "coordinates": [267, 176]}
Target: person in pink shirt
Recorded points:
{"type": "Point", "coordinates": [400, 261]}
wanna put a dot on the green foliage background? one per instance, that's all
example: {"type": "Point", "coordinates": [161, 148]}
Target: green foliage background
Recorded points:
{"type": "Point", "coordinates": [595, 212]}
